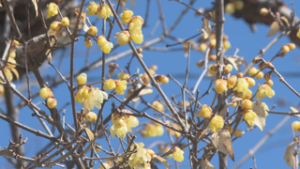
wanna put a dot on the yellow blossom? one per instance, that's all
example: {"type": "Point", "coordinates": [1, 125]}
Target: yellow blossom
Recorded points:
{"type": "Point", "coordinates": [120, 86]}
{"type": "Point", "coordinates": [249, 116]}
{"type": "Point", "coordinates": [140, 158]}
{"type": "Point", "coordinates": [220, 86]}
{"type": "Point", "coordinates": [123, 37]}
{"type": "Point", "coordinates": [263, 91]}
{"type": "Point", "coordinates": [95, 98]}
{"type": "Point", "coordinates": [178, 154]}
{"type": "Point", "coordinates": [46, 92]}
{"type": "Point", "coordinates": [52, 10]}
{"type": "Point", "coordinates": [205, 112]}
{"type": "Point", "coordinates": [92, 8]}
{"type": "Point", "coordinates": [126, 16]}
{"type": "Point", "coordinates": [106, 48]}
{"type": "Point", "coordinates": [123, 76]}
{"type": "Point", "coordinates": [104, 12]}
{"type": "Point", "coordinates": [119, 131]}
{"type": "Point", "coordinates": [158, 106]}
{"type": "Point", "coordinates": [241, 86]}
{"type": "Point", "coordinates": [109, 84]}
{"type": "Point", "coordinates": [216, 123]}
{"type": "Point", "coordinates": [82, 94]}
{"type": "Point", "coordinates": [131, 121]}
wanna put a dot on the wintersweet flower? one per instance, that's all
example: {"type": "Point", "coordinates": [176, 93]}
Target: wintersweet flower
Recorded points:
{"type": "Point", "coordinates": [109, 84]}
{"type": "Point", "coordinates": [131, 121]}
{"type": "Point", "coordinates": [249, 116]}
{"type": "Point", "coordinates": [119, 131]}
{"type": "Point", "coordinates": [140, 158]}
{"type": "Point", "coordinates": [178, 154]}
{"type": "Point", "coordinates": [92, 8]}
{"type": "Point", "coordinates": [52, 10]}
{"type": "Point", "coordinates": [123, 37]}
{"type": "Point", "coordinates": [263, 91]}
{"type": "Point", "coordinates": [81, 79]}
{"type": "Point", "coordinates": [95, 98]}
{"type": "Point", "coordinates": [120, 86]}
{"type": "Point", "coordinates": [216, 123]}
{"type": "Point", "coordinates": [241, 86]}
{"type": "Point", "coordinates": [205, 112]}
{"type": "Point", "coordinates": [158, 106]}
{"type": "Point", "coordinates": [126, 16]}
{"type": "Point", "coordinates": [82, 94]}
{"type": "Point", "coordinates": [104, 12]}
{"type": "Point", "coordinates": [91, 116]}
{"type": "Point", "coordinates": [137, 36]}
{"type": "Point", "coordinates": [46, 92]}
{"type": "Point", "coordinates": [220, 86]}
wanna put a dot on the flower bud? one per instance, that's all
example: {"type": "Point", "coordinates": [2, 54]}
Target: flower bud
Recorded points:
{"type": "Point", "coordinates": [263, 11]}
{"type": "Point", "coordinates": [88, 42]}
{"type": "Point", "coordinates": [81, 79]}
{"type": "Point", "coordinates": [51, 102]}
{"type": "Point", "coordinates": [46, 92]}
{"type": "Point", "coordinates": [91, 116]}
{"type": "Point", "coordinates": [92, 31]}
{"type": "Point", "coordinates": [65, 22]}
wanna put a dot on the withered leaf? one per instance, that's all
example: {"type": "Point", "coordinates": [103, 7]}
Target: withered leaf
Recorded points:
{"type": "Point", "coordinates": [260, 120]}
{"type": "Point", "coordinates": [206, 28]}
{"type": "Point", "coordinates": [289, 157]}
{"type": "Point", "coordinates": [274, 28]}
{"type": "Point", "coordinates": [294, 110]}
{"type": "Point", "coordinates": [237, 61]}
{"type": "Point", "coordinates": [89, 133]}
{"type": "Point", "coordinates": [164, 161]}
{"type": "Point", "coordinates": [222, 141]}
{"type": "Point", "coordinates": [205, 164]}
{"type": "Point", "coordinates": [35, 8]}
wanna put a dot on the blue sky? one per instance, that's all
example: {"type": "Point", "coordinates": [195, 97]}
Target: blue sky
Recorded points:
{"type": "Point", "coordinates": [240, 36]}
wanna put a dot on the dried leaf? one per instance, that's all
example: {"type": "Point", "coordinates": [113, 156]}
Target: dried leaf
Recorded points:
{"type": "Point", "coordinates": [82, 19]}
{"type": "Point", "coordinates": [89, 133]}
{"type": "Point", "coordinates": [237, 61]}
{"type": "Point", "coordinates": [222, 141]}
{"type": "Point", "coordinates": [206, 28]}
{"type": "Point", "coordinates": [15, 73]}
{"type": "Point", "coordinates": [259, 109]}
{"type": "Point", "coordinates": [205, 164]}
{"type": "Point", "coordinates": [203, 132]}
{"type": "Point", "coordinates": [289, 157]}
{"type": "Point", "coordinates": [164, 161]}
{"type": "Point", "coordinates": [285, 21]}
{"type": "Point", "coordinates": [274, 28]}
{"type": "Point", "coordinates": [35, 8]}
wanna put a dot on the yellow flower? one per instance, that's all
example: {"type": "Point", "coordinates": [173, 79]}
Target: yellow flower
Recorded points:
{"type": "Point", "coordinates": [135, 23]}
{"type": "Point", "coordinates": [126, 16]}
{"type": "Point", "coordinates": [159, 106]}
{"type": "Point", "coordinates": [88, 42]}
{"type": "Point", "coordinates": [221, 86]}
{"type": "Point", "coordinates": [101, 40]}
{"type": "Point", "coordinates": [52, 10]}
{"type": "Point", "coordinates": [136, 160]}
{"type": "Point", "coordinates": [104, 12]}
{"type": "Point", "coordinates": [94, 98]}
{"type": "Point", "coordinates": [51, 102]}
{"type": "Point", "coordinates": [46, 92]}
{"type": "Point", "coordinates": [92, 30]}
{"type": "Point", "coordinates": [91, 116]}
{"type": "Point", "coordinates": [263, 91]}
{"type": "Point", "coordinates": [119, 131]}
{"type": "Point", "coordinates": [123, 37]}
{"type": "Point", "coordinates": [82, 94]}
{"type": "Point", "coordinates": [216, 123]}
{"type": "Point", "coordinates": [131, 121]}
{"type": "Point", "coordinates": [120, 86]}
{"type": "Point", "coordinates": [106, 48]}
{"type": "Point", "coordinates": [296, 126]}
{"type": "Point", "coordinates": [178, 154]}
{"type": "Point", "coordinates": [137, 36]}
{"type": "Point", "coordinates": [65, 22]}
{"type": "Point", "coordinates": [92, 8]}
{"type": "Point", "coordinates": [109, 84]}
{"type": "Point", "coordinates": [241, 86]}
{"type": "Point", "coordinates": [123, 76]}
{"type": "Point", "coordinates": [55, 26]}
{"type": "Point", "coordinates": [81, 79]}
{"type": "Point", "coordinates": [205, 112]}
{"type": "Point", "coordinates": [249, 117]}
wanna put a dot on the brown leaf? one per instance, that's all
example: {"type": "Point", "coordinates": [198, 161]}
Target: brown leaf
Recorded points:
{"type": "Point", "coordinates": [82, 19]}
{"type": "Point", "coordinates": [89, 133]}
{"type": "Point", "coordinates": [237, 61]}
{"type": "Point", "coordinates": [205, 164]}
{"type": "Point", "coordinates": [15, 73]}
{"type": "Point", "coordinates": [164, 161]}
{"type": "Point", "coordinates": [206, 28]}
{"type": "Point", "coordinates": [35, 8]}
{"type": "Point", "coordinates": [222, 141]}
{"type": "Point", "coordinates": [274, 28]}
{"type": "Point", "coordinates": [289, 157]}
{"type": "Point", "coordinates": [260, 111]}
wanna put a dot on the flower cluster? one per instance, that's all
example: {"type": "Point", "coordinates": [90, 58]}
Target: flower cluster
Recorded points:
{"type": "Point", "coordinates": [178, 154]}
{"type": "Point", "coordinates": [122, 124]}
{"type": "Point", "coordinates": [105, 45]}
{"type": "Point", "coordinates": [134, 26]}
{"type": "Point", "coordinates": [140, 158]}
{"type": "Point", "coordinates": [216, 123]}
{"type": "Point", "coordinates": [89, 96]}
{"type": "Point", "coordinates": [102, 11]}
{"type": "Point", "coordinates": [47, 94]}
{"type": "Point", "coordinates": [119, 85]}
{"type": "Point", "coordinates": [151, 130]}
